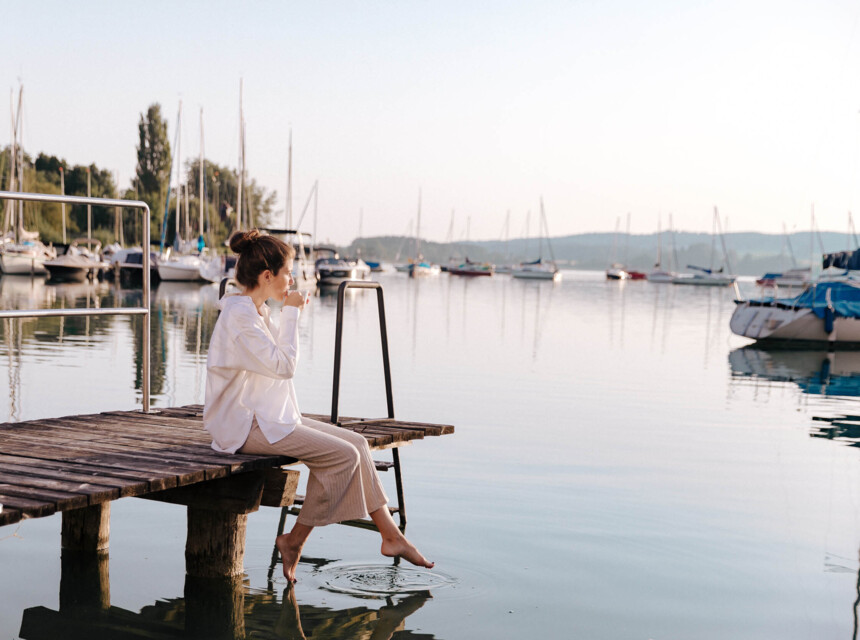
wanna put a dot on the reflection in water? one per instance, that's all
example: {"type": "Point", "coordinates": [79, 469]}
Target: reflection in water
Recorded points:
{"type": "Point", "coordinates": [814, 372]}
{"type": "Point", "coordinates": [211, 608]}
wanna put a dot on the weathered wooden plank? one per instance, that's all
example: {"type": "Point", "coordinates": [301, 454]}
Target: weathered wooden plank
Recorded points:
{"type": "Point", "coordinates": [30, 507]}
{"type": "Point", "coordinates": [9, 516]}
{"type": "Point", "coordinates": [62, 499]}
{"type": "Point", "coordinates": [94, 493]}
{"type": "Point", "coordinates": [120, 425]}
{"type": "Point", "coordinates": [125, 487]}
{"type": "Point", "coordinates": [201, 453]}
{"type": "Point", "coordinates": [91, 469]}
{"type": "Point", "coordinates": [63, 455]}
{"type": "Point", "coordinates": [183, 461]}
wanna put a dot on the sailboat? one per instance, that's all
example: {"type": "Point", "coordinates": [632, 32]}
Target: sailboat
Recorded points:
{"type": "Point", "coordinates": [795, 276]}
{"type": "Point", "coordinates": [616, 270]}
{"type": "Point", "coordinates": [709, 277]}
{"type": "Point", "coordinates": [658, 274]}
{"type": "Point", "coordinates": [418, 267]}
{"type": "Point", "coordinates": [21, 253]}
{"type": "Point", "coordinates": [540, 269]}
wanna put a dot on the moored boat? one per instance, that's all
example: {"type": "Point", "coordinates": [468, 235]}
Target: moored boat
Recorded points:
{"type": "Point", "coordinates": [825, 312]}
{"type": "Point", "coordinates": [617, 271]}
{"type": "Point", "coordinates": [704, 277]}
{"type": "Point", "coordinates": [798, 277]}
{"type": "Point", "coordinates": [77, 263]}
{"type": "Point", "coordinates": [537, 270]}
{"type": "Point", "coordinates": [469, 268]}
{"type": "Point", "coordinates": [25, 258]}
{"type": "Point", "coordinates": [334, 270]}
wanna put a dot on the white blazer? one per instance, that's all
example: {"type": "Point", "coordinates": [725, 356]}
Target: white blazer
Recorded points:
{"type": "Point", "coordinates": [249, 372]}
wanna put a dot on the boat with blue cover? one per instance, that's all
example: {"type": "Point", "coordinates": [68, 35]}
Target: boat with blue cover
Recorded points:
{"type": "Point", "coordinates": [826, 311]}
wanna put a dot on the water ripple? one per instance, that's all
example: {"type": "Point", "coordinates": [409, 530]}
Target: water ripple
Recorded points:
{"type": "Point", "coordinates": [370, 579]}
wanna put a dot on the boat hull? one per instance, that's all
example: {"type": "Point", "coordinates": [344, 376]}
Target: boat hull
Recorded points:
{"type": "Point", "coordinates": [779, 323]}
{"type": "Point", "coordinates": [179, 272]}
{"type": "Point", "coordinates": [527, 274]}
{"type": "Point", "coordinates": [22, 265]}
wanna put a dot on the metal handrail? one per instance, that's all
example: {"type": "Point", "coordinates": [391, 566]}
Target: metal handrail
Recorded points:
{"type": "Point", "coordinates": [118, 311]}
{"type": "Point", "coordinates": [338, 339]}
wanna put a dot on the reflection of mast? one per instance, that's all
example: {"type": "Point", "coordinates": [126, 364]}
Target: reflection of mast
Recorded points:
{"type": "Point", "coordinates": [13, 349]}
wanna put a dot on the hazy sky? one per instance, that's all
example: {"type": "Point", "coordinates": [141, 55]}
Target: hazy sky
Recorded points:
{"type": "Point", "coordinates": [603, 108]}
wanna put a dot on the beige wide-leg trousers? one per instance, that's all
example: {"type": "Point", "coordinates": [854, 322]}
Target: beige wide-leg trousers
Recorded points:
{"type": "Point", "coordinates": [343, 483]}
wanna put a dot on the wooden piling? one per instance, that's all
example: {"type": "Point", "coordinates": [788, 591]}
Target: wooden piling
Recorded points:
{"type": "Point", "coordinates": [87, 529]}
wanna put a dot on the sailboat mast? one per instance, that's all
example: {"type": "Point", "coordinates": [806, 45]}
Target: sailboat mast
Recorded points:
{"type": "Point", "coordinates": [201, 186]}
{"type": "Point", "coordinates": [179, 173]}
{"type": "Point", "coordinates": [89, 206]}
{"type": "Point", "coordinates": [19, 126]}
{"type": "Point", "coordinates": [241, 160]}
{"type": "Point", "coordinates": [288, 205]}
{"type": "Point", "coordinates": [418, 229]}
{"type": "Point", "coordinates": [63, 206]}
{"type": "Point", "coordinates": [10, 204]}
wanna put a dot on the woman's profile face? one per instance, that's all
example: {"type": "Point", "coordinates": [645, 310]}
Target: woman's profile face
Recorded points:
{"type": "Point", "coordinates": [282, 280]}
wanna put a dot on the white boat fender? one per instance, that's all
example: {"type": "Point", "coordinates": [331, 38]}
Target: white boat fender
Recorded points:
{"type": "Point", "coordinates": [829, 314]}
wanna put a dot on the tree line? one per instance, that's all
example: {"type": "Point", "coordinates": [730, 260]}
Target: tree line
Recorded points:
{"type": "Point", "coordinates": [48, 174]}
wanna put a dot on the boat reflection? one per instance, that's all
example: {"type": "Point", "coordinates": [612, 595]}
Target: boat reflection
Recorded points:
{"type": "Point", "coordinates": [814, 372]}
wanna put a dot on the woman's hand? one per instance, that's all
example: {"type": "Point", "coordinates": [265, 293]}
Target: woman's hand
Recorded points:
{"type": "Point", "coordinates": [294, 299]}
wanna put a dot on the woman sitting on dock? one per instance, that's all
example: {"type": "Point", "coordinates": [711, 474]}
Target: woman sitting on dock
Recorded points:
{"type": "Point", "coordinates": [251, 404]}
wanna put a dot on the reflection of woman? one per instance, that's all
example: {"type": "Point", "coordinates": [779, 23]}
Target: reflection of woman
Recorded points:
{"type": "Point", "coordinates": [251, 404]}
{"type": "Point", "coordinates": [348, 624]}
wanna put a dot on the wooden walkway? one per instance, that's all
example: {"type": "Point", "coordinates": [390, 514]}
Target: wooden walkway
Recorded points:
{"type": "Point", "coordinates": [61, 464]}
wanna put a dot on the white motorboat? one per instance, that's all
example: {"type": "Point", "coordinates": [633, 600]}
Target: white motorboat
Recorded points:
{"type": "Point", "coordinates": [127, 264]}
{"type": "Point", "coordinates": [77, 263]}
{"type": "Point", "coordinates": [617, 271]}
{"type": "Point", "coordinates": [333, 271]}
{"type": "Point", "coordinates": [825, 312]}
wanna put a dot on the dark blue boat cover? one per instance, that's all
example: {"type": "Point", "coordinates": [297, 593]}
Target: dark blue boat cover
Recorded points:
{"type": "Point", "coordinates": [844, 299]}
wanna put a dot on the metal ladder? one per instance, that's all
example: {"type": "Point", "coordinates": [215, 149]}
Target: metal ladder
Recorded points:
{"type": "Point", "coordinates": [400, 509]}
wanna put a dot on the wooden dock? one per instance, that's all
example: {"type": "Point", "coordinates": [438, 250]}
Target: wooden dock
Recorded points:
{"type": "Point", "coordinates": [77, 465]}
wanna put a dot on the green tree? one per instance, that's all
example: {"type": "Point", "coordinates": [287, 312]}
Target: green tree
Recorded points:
{"type": "Point", "coordinates": [153, 163]}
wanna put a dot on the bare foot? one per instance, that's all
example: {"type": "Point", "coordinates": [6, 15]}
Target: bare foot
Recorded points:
{"type": "Point", "coordinates": [405, 549]}
{"type": "Point", "coordinates": [290, 555]}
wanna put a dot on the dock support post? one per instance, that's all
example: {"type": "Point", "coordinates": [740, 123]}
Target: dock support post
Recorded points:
{"type": "Point", "coordinates": [215, 547]}
{"type": "Point", "coordinates": [84, 575]}
{"type": "Point", "coordinates": [86, 530]}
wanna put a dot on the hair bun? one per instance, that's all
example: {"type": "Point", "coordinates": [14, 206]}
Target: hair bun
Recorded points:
{"type": "Point", "coordinates": [241, 240]}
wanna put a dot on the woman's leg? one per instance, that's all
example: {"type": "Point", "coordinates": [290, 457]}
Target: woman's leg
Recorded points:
{"type": "Point", "coordinates": [334, 491]}
{"type": "Point", "coordinates": [290, 547]}
{"type": "Point", "coordinates": [394, 543]}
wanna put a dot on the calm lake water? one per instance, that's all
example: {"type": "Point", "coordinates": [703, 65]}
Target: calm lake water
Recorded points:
{"type": "Point", "coordinates": [622, 467]}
